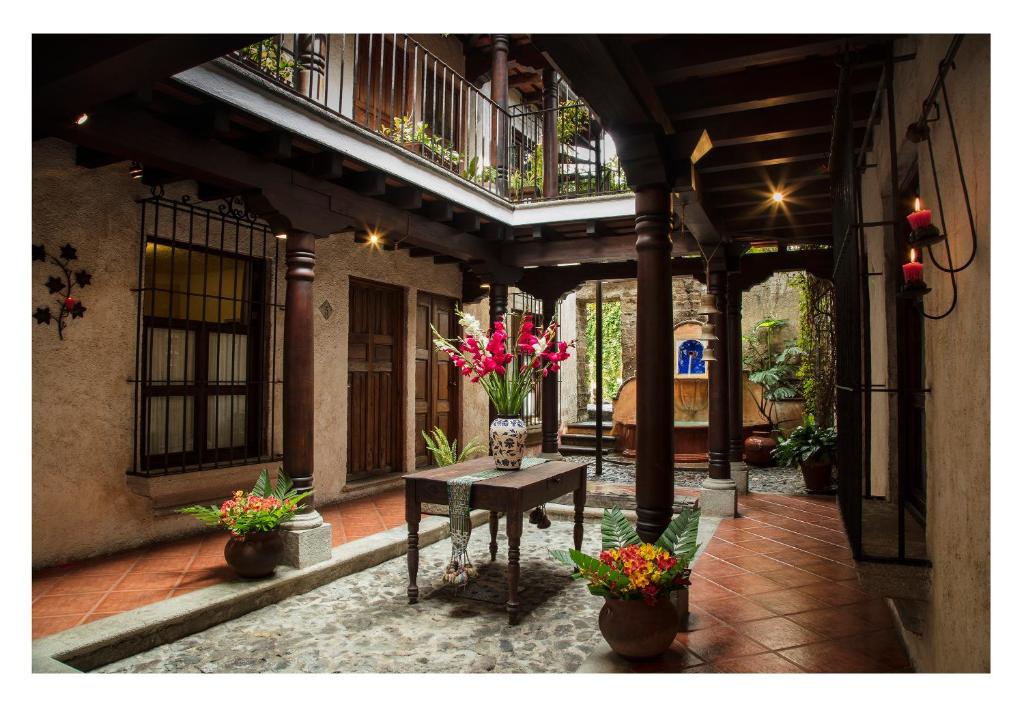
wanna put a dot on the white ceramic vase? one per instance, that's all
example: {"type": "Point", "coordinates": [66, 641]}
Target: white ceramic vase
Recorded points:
{"type": "Point", "coordinates": [508, 442]}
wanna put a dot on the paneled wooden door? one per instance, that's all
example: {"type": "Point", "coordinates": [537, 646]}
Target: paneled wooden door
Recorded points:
{"type": "Point", "coordinates": [375, 408]}
{"type": "Point", "coordinates": [437, 381]}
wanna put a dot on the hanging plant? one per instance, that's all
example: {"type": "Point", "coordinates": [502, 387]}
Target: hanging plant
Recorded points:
{"type": "Point", "coordinates": [68, 306]}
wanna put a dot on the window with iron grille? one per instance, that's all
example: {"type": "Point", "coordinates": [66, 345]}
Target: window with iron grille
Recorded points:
{"type": "Point", "coordinates": [521, 304]}
{"type": "Point", "coordinates": [207, 348]}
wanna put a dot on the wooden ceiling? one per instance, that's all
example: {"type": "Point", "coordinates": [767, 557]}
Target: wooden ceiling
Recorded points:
{"type": "Point", "coordinates": [766, 102]}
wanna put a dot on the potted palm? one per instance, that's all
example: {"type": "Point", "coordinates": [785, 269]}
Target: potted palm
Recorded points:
{"type": "Point", "coordinates": [638, 619]}
{"type": "Point", "coordinates": [506, 377]}
{"type": "Point", "coordinates": [813, 449]}
{"type": "Point", "coordinates": [254, 547]}
{"type": "Point", "coordinates": [772, 371]}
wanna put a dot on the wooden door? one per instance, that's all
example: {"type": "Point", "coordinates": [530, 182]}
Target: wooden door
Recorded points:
{"type": "Point", "coordinates": [437, 381]}
{"type": "Point", "coordinates": [376, 323]}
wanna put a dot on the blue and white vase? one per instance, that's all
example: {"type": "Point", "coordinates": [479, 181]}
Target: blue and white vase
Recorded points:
{"type": "Point", "coordinates": [508, 442]}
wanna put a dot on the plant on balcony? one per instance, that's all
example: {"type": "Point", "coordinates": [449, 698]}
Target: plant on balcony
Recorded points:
{"type": "Point", "coordinates": [254, 548]}
{"type": "Point", "coordinates": [506, 378]}
{"type": "Point", "coordinates": [573, 121]}
{"type": "Point", "coordinates": [487, 174]}
{"type": "Point", "coordinates": [812, 448]}
{"type": "Point", "coordinates": [638, 619]}
{"type": "Point", "coordinates": [446, 453]}
{"type": "Point", "coordinates": [270, 58]}
{"type": "Point", "coordinates": [410, 134]}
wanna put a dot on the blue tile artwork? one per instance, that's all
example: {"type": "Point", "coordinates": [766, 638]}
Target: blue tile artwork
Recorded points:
{"type": "Point", "coordinates": [691, 358]}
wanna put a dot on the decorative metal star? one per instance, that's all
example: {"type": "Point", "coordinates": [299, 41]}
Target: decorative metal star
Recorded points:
{"type": "Point", "coordinates": [68, 252]}
{"type": "Point", "coordinates": [42, 315]}
{"type": "Point", "coordinates": [83, 278]}
{"type": "Point", "coordinates": [54, 284]}
{"type": "Point", "coordinates": [78, 311]}
{"type": "Point", "coordinates": [38, 252]}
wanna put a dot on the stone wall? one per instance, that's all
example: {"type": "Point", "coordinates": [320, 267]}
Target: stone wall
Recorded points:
{"type": "Point", "coordinates": [81, 394]}
{"type": "Point", "coordinates": [956, 632]}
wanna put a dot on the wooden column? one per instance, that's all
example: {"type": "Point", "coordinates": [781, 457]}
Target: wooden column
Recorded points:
{"type": "Point", "coordinates": [499, 94]}
{"type": "Point", "coordinates": [549, 392]}
{"type": "Point", "coordinates": [718, 378]}
{"type": "Point", "coordinates": [654, 486]}
{"type": "Point", "coordinates": [298, 362]}
{"type": "Point", "coordinates": [550, 134]}
{"type": "Point", "coordinates": [734, 340]}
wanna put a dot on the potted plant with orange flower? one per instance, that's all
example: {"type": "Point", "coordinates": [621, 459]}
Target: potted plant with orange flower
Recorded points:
{"type": "Point", "coordinates": [638, 619]}
{"type": "Point", "coordinates": [255, 547]}
{"type": "Point", "coordinates": [487, 360]}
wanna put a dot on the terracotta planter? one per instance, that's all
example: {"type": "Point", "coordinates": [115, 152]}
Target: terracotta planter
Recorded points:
{"type": "Point", "coordinates": [757, 448]}
{"type": "Point", "coordinates": [637, 631]}
{"type": "Point", "coordinates": [817, 476]}
{"type": "Point", "coordinates": [508, 442]}
{"type": "Point", "coordinates": [254, 555]}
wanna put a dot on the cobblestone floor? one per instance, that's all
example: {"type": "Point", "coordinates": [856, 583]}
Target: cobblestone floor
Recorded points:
{"type": "Point", "coordinates": [363, 623]}
{"type": "Point", "coordinates": [775, 479]}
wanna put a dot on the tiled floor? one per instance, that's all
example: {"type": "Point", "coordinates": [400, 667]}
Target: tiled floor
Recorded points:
{"type": "Point", "coordinates": [775, 591]}
{"type": "Point", "coordinates": [80, 592]}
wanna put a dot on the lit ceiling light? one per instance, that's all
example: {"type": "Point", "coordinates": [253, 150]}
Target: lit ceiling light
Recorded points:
{"type": "Point", "coordinates": [81, 119]}
{"type": "Point", "coordinates": [777, 197]}
{"type": "Point", "coordinates": [374, 239]}
{"type": "Point", "coordinates": [135, 170]}
{"type": "Point", "coordinates": [566, 265]}
{"type": "Point", "coordinates": [281, 236]}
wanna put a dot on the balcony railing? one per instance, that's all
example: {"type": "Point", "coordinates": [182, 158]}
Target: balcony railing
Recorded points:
{"type": "Point", "coordinates": [388, 84]}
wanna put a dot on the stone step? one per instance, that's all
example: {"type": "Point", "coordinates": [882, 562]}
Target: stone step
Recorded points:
{"type": "Point", "coordinates": [588, 427]}
{"type": "Point", "coordinates": [587, 440]}
{"type": "Point", "coordinates": [588, 451]}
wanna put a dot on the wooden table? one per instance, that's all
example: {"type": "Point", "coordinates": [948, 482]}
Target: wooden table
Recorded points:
{"type": "Point", "coordinates": [510, 493]}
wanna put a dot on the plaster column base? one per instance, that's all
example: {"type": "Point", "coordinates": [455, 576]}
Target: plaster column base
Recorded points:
{"type": "Point", "coordinates": [718, 498]}
{"type": "Point", "coordinates": [739, 472]}
{"type": "Point", "coordinates": [307, 540]}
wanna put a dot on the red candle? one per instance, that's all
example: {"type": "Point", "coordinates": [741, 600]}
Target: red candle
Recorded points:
{"type": "Point", "coordinates": [69, 303]}
{"type": "Point", "coordinates": [921, 217]}
{"type": "Point", "coordinates": [913, 272]}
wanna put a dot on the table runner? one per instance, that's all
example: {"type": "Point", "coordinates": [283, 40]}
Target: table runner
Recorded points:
{"type": "Point", "coordinates": [460, 570]}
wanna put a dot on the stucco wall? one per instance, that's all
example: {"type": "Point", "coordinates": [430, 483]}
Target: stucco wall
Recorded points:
{"type": "Point", "coordinates": [957, 353]}
{"type": "Point", "coordinates": [81, 395]}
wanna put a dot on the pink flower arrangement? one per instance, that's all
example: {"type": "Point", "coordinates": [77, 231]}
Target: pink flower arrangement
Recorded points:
{"type": "Point", "coordinates": [507, 375]}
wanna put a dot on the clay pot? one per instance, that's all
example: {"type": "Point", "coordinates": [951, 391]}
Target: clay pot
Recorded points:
{"type": "Point", "coordinates": [508, 442]}
{"type": "Point", "coordinates": [757, 448]}
{"type": "Point", "coordinates": [636, 630]}
{"type": "Point", "coordinates": [817, 476]}
{"type": "Point", "coordinates": [254, 555]}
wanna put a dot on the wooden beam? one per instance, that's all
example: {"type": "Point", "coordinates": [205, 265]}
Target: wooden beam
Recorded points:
{"type": "Point", "coordinates": [327, 165]}
{"type": "Point", "coordinates": [93, 159]}
{"type": "Point", "coordinates": [408, 198]}
{"type": "Point", "coordinates": [467, 221]}
{"type": "Point", "coordinates": [440, 211]}
{"type": "Point", "coordinates": [601, 249]}
{"type": "Point", "coordinates": [368, 183]}
{"type": "Point", "coordinates": [638, 78]}
{"type": "Point", "coordinates": [276, 146]}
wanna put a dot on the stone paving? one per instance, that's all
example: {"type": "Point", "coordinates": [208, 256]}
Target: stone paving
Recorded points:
{"type": "Point", "coordinates": [620, 470]}
{"type": "Point", "coordinates": [363, 623]}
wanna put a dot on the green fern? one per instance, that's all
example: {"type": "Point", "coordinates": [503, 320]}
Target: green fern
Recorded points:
{"type": "Point", "coordinates": [446, 453]}
{"type": "Point", "coordinates": [680, 537]}
{"type": "Point", "coordinates": [616, 531]}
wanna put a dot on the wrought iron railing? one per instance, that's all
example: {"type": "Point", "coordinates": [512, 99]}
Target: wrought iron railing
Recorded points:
{"type": "Point", "coordinates": [390, 85]}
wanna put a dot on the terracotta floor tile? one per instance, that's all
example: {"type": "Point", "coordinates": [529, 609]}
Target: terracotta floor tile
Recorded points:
{"type": "Point", "coordinates": [713, 568]}
{"type": "Point", "coordinates": [149, 580]}
{"type": "Point", "coordinates": [735, 534]}
{"type": "Point", "coordinates": [62, 604]}
{"type": "Point", "coordinates": [831, 570]}
{"type": "Point", "coordinates": [704, 590]}
{"type": "Point", "coordinates": [797, 558]}
{"type": "Point", "coordinates": [676, 659]}
{"type": "Point", "coordinates": [832, 657]}
{"type": "Point", "coordinates": [718, 643]}
{"type": "Point", "coordinates": [45, 625]}
{"type": "Point", "coordinates": [762, 546]}
{"type": "Point", "coordinates": [699, 618]}
{"type": "Point", "coordinates": [736, 608]}
{"type": "Point", "coordinates": [205, 578]}
{"type": "Point", "coordinates": [787, 601]}
{"type": "Point", "coordinates": [777, 633]}
{"type": "Point", "coordinates": [42, 586]}
{"type": "Point", "coordinates": [791, 577]}
{"type": "Point", "coordinates": [835, 594]}
{"type": "Point", "coordinates": [882, 646]}
{"type": "Point", "coordinates": [747, 584]}
{"type": "Point", "coordinates": [202, 562]}
{"type": "Point", "coordinates": [81, 583]}
{"type": "Point", "coordinates": [128, 600]}
{"type": "Point", "coordinates": [832, 622]}
{"type": "Point", "coordinates": [725, 550]}
{"type": "Point", "coordinates": [875, 612]}
{"type": "Point", "coordinates": [166, 563]}
{"type": "Point", "coordinates": [757, 563]}
{"type": "Point", "coordinates": [116, 564]}
{"type": "Point", "coordinates": [702, 668]}
{"type": "Point", "coordinates": [97, 615]}
{"type": "Point", "coordinates": [746, 523]}
{"type": "Point", "coordinates": [761, 663]}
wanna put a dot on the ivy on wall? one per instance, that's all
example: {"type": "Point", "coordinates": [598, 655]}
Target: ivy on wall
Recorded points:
{"type": "Point", "coordinates": [612, 344]}
{"type": "Point", "coordinates": [817, 371]}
